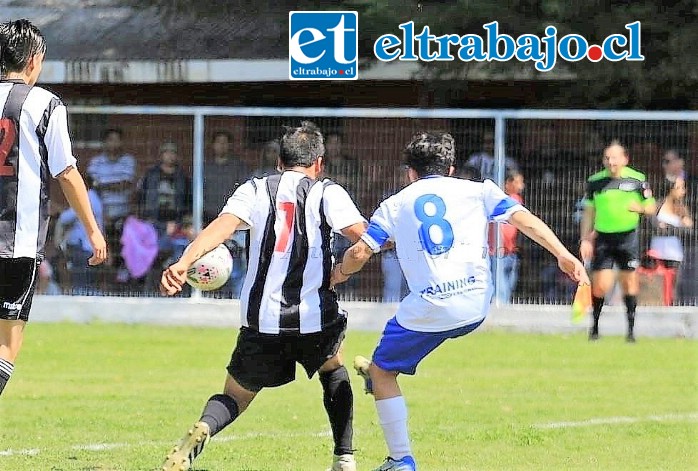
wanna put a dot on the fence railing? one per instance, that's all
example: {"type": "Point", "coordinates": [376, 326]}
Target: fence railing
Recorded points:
{"type": "Point", "coordinates": [218, 148]}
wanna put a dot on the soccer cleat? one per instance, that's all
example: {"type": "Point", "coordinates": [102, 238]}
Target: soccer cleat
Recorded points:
{"type": "Point", "coordinates": [361, 365]}
{"type": "Point", "coordinates": [403, 464]}
{"type": "Point", "coordinates": [593, 335]}
{"type": "Point", "coordinates": [343, 463]}
{"type": "Point", "coordinates": [630, 338]}
{"type": "Point", "coordinates": [181, 456]}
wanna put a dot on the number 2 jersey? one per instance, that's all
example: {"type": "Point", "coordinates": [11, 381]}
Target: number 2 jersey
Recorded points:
{"type": "Point", "coordinates": [439, 226]}
{"type": "Point", "coordinates": [34, 146]}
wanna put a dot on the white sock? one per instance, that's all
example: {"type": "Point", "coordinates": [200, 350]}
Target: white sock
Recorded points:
{"type": "Point", "coordinates": [392, 414]}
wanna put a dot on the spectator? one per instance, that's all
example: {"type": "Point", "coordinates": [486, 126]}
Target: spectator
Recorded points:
{"type": "Point", "coordinates": [506, 256]}
{"type": "Point", "coordinates": [345, 170]}
{"type": "Point", "coordinates": [164, 192]}
{"type": "Point", "coordinates": [223, 173]}
{"type": "Point", "coordinates": [269, 160]}
{"type": "Point", "coordinates": [672, 223]}
{"type": "Point", "coordinates": [163, 197]}
{"type": "Point", "coordinates": [75, 243]}
{"type": "Point", "coordinates": [484, 160]}
{"type": "Point", "coordinates": [113, 173]}
{"type": "Point", "coordinates": [673, 165]}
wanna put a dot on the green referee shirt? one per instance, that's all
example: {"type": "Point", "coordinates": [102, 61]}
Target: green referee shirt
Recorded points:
{"type": "Point", "coordinates": [610, 198]}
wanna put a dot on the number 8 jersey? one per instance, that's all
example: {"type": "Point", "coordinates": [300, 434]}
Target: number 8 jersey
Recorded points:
{"type": "Point", "coordinates": [439, 226]}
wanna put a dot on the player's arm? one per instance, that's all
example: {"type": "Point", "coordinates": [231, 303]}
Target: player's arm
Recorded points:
{"type": "Point", "coordinates": [62, 166]}
{"type": "Point", "coordinates": [535, 229]}
{"type": "Point", "coordinates": [238, 210]}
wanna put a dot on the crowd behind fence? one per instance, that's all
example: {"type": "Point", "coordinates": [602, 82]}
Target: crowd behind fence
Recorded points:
{"type": "Point", "coordinates": [160, 174]}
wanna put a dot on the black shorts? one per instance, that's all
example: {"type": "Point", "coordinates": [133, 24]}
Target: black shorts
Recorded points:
{"type": "Point", "coordinates": [622, 249]}
{"type": "Point", "coordinates": [18, 278]}
{"type": "Point", "coordinates": [268, 360]}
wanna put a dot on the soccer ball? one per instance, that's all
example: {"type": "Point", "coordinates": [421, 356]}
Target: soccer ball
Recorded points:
{"type": "Point", "coordinates": [212, 270]}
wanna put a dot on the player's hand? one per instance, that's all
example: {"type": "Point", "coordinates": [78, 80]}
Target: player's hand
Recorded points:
{"type": "Point", "coordinates": [636, 207]}
{"type": "Point", "coordinates": [586, 250]}
{"type": "Point", "coordinates": [173, 279]}
{"type": "Point", "coordinates": [99, 248]}
{"type": "Point", "coordinates": [337, 276]}
{"type": "Point", "coordinates": [573, 268]}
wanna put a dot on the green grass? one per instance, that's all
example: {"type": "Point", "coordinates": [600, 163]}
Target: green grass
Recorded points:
{"type": "Point", "coordinates": [476, 404]}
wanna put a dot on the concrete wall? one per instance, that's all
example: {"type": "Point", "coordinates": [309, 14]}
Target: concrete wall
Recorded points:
{"type": "Point", "coordinates": [651, 321]}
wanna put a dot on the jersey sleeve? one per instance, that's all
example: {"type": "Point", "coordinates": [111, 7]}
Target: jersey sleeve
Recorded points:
{"type": "Point", "coordinates": [498, 205]}
{"type": "Point", "coordinates": [340, 210]}
{"type": "Point", "coordinates": [380, 228]}
{"type": "Point", "coordinates": [57, 140]}
{"type": "Point", "coordinates": [242, 203]}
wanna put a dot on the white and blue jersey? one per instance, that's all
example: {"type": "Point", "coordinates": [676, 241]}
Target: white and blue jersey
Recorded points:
{"type": "Point", "coordinates": [439, 226]}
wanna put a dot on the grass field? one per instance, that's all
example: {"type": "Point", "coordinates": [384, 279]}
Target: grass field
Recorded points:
{"type": "Point", "coordinates": [116, 397]}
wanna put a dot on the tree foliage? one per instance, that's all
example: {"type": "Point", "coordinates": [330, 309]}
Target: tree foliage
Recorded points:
{"type": "Point", "coordinates": [666, 78]}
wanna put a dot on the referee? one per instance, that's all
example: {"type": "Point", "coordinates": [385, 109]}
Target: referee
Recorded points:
{"type": "Point", "coordinates": [615, 199]}
{"type": "Point", "coordinates": [34, 147]}
{"type": "Point", "coordinates": [289, 313]}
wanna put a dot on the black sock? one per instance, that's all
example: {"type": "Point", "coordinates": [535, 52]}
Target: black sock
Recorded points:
{"type": "Point", "coordinates": [6, 369]}
{"type": "Point", "coordinates": [220, 411]}
{"type": "Point", "coordinates": [630, 306]}
{"type": "Point", "coordinates": [339, 404]}
{"type": "Point", "coordinates": [597, 303]}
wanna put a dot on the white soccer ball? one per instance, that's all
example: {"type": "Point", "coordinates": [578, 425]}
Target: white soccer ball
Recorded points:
{"type": "Point", "coordinates": [212, 270]}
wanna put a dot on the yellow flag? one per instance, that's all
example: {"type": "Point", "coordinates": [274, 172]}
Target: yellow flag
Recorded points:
{"type": "Point", "coordinates": [581, 303]}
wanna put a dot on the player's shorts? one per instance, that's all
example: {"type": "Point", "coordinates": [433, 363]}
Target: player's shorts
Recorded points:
{"type": "Point", "coordinates": [621, 249]}
{"type": "Point", "coordinates": [267, 360]}
{"type": "Point", "coordinates": [18, 278]}
{"type": "Point", "coordinates": [401, 350]}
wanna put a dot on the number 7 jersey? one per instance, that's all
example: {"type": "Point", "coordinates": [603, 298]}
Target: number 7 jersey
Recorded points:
{"type": "Point", "coordinates": [439, 226]}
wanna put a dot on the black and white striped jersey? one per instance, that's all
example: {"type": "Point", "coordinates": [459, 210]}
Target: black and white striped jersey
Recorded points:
{"type": "Point", "coordinates": [34, 146]}
{"type": "Point", "coordinates": [291, 219]}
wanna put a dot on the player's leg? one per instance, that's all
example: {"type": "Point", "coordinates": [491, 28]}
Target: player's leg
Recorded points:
{"type": "Point", "coordinates": [628, 261]}
{"type": "Point", "coordinates": [322, 352]}
{"type": "Point", "coordinates": [11, 336]}
{"type": "Point", "coordinates": [257, 362]}
{"type": "Point", "coordinates": [602, 280]}
{"type": "Point", "coordinates": [18, 278]}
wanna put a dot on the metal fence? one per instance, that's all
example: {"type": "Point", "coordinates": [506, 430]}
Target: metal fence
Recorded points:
{"type": "Point", "coordinates": [555, 151]}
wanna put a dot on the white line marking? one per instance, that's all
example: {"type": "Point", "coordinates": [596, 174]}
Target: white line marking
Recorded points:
{"type": "Point", "coordinates": [28, 452]}
{"type": "Point", "coordinates": [690, 417]}
{"type": "Point", "coordinates": [98, 447]}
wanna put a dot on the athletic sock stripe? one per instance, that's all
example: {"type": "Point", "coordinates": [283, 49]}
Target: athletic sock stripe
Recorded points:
{"type": "Point", "coordinates": [6, 367]}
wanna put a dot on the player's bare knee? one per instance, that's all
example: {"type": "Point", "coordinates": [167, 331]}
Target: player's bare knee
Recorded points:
{"type": "Point", "coordinates": [379, 374]}
{"type": "Point", "coordinates": [332, 364]}
{"type": "Point", "coordinates": [242, 396]}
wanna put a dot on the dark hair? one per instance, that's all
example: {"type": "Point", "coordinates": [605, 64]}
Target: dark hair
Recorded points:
{"type": "Point", "coordinates": [227, 134]}
{"type": "Point", "coordinates": [617, 142]}
{"type": "Point", "coordinates": [19, 42]}
{"type": "Point", "coordinates": [108, 132]}
{"type": "Point", "coordinates": [301, 146]}
{"type": "Point", "coordinates": [430, 153]}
